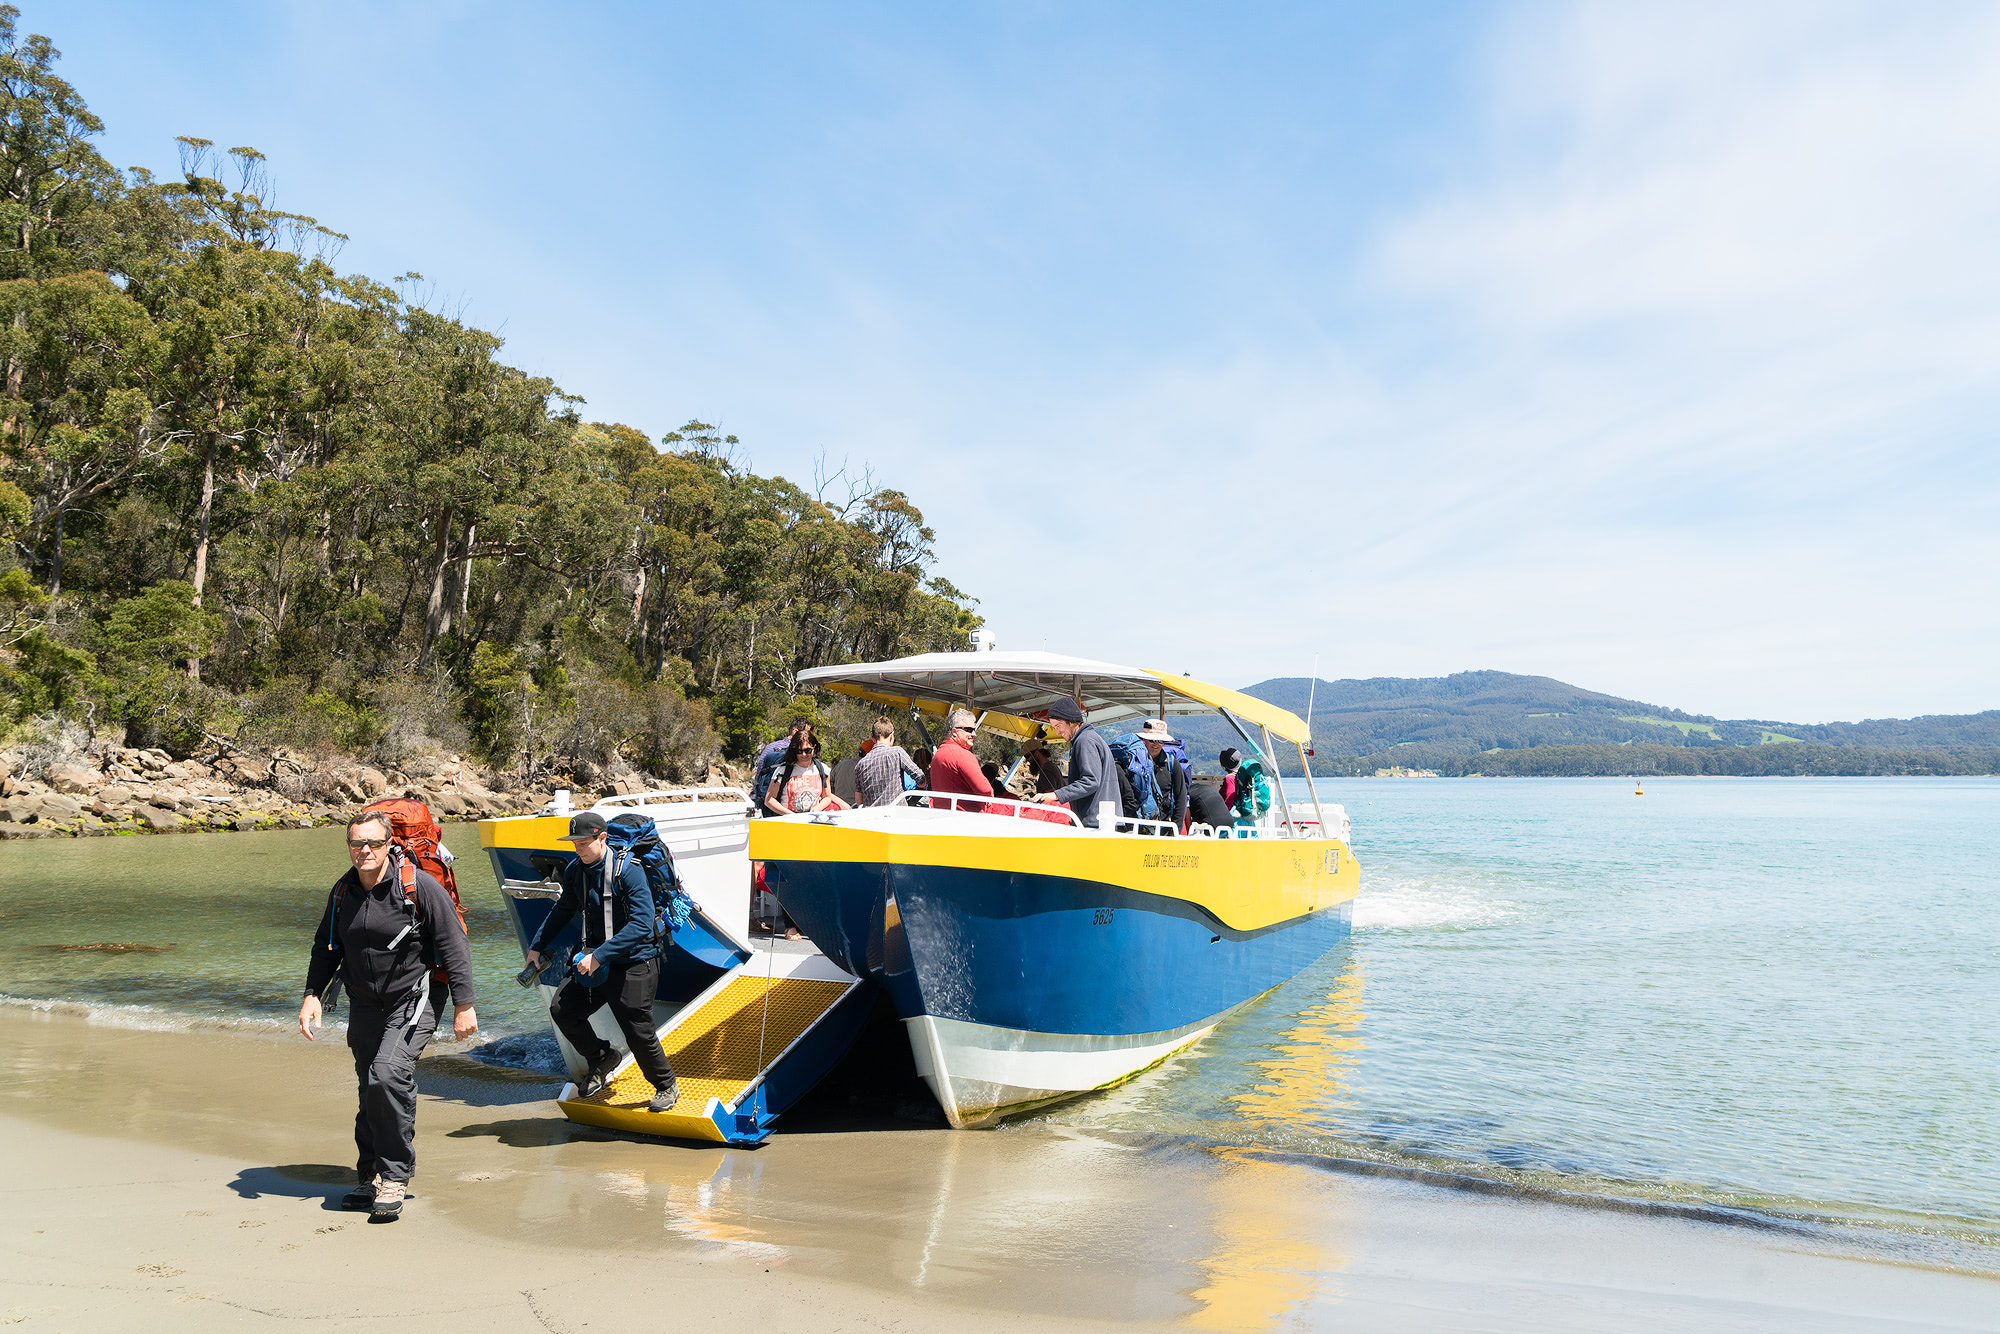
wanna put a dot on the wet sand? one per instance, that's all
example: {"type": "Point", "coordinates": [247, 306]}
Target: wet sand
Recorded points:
{"type": "Point", "coordinates": [184, 1180]}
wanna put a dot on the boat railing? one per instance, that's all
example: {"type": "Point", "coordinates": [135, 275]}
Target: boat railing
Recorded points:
{"type": "Point", "coordinates": [1232, 831]}
{"type": "Point", "coordinates": [1145, 828]}
{"type": "Point", "coordinates": [666, 795]}
{"type": "Point", "coordinates": [1020, 810]}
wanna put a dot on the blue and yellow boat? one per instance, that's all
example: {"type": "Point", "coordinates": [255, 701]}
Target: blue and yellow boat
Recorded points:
{"type": "Point", "coordinates": [1028, 960]}
{"type": "Point", "coordinates": [1028, 957]}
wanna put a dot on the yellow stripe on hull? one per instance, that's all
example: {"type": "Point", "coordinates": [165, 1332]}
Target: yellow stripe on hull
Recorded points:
{"type": "Point", "coordinates": [541, 832]}
{"type": "Point", "coordinates": [1246, 884]}
{"type": "Point", "coordinates": [717, 1052]}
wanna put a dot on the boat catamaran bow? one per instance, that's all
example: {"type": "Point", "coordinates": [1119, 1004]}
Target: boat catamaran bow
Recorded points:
{"type": "Point", "coordinates": [1028, 957]}
{"type": "Point", "coordinates": [1031, 960]}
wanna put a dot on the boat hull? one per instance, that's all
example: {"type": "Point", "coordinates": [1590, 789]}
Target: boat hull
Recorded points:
{"type": "Point", "coordinates": [1020, 984]}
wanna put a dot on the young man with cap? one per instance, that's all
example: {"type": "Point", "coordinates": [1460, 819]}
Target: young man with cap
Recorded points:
{"type": "Point", "coordinates": [1169, 779]}
{"type": "Point", "coordinates": [1092, 777]}
{"type": "Point", "coordinates": [619, 941]}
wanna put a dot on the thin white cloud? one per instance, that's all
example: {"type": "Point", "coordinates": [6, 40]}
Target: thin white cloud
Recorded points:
{"type": "Point", "coordinates": [1711, 342]}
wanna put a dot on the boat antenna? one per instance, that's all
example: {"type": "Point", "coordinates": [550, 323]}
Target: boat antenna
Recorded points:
{"type": "Point", "coordinates": [1309, 704]}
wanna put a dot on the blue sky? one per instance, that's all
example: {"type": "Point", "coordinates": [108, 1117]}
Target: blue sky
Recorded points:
{"type": "Point", "coordinates": [1656, 349]}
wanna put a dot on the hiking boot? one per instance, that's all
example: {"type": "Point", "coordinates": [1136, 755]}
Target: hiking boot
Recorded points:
{"type": "Point", "coordinates": [665, 1097]}
{"type": "Point", "coordinates": [363, 1195]}
{"type": "Point", "coordinates": [388, 1206]}
{"type": "Point", "coordinates": [599, 1074]}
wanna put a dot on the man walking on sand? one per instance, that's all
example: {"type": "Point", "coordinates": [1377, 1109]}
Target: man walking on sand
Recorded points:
{"type": "Point", "coordinates": [383, 943]}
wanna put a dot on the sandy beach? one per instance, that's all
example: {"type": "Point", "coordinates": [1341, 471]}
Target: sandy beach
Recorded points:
{"type": "Point", "coordinates": [187, 1180]}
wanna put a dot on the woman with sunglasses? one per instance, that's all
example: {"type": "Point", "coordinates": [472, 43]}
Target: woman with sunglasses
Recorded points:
{"type": "Point", "coordinates": [383, 946]}
{"type": "Point", "coordinates": [802, 783]}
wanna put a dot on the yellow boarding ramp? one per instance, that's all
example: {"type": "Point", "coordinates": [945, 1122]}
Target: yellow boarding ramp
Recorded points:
{"type": "Point", "coordinates": [742, 1052]}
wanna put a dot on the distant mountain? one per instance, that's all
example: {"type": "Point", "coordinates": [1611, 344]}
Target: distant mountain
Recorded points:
{"type": "Point", "coordinates": [1468, 713]}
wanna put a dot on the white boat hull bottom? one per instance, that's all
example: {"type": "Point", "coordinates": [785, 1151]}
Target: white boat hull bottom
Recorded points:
{"type": "Point", "coordinates": [981, 1074]}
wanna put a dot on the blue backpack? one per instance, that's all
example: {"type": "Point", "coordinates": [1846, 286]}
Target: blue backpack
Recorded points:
{"type": "Point", "coordinates": [632, 835]}
{"type": "Point", "coordinates": [1177, 752]}
{"type": "Point", "coordinates": [1130, 752]}
{"type": "Point", "coordinates": [768, 761]}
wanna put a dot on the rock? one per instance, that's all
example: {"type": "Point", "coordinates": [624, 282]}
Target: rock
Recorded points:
{"type": "Point", "coordinates": [57, 806]}
{"type": "Point", "coordinates": [6, 771]}
{"type": "Point", "coordinates": [8, 829]}
{"type": "Point", "coordinates": [449, 803]}
{"type": "Point", "coordinates": [76, 779]}
{"type": "Point", "coordinates": [155, 759]}
{"type": "Point", "coordinates": [373, 782]}
{"type": "Point", "coordinates": [245, 823]}
{"type": "Point", "coordinates": [178, 771]}
{"type": "Point", "coordinates": [473, 790]}
{"type": "Point", "coordinates": [155, 819]}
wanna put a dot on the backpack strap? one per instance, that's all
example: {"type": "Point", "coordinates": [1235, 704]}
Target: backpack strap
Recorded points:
{"type": "Point", "coordinates": [333, 915]}
{"type": "Point", "coordinates": [613, 867]}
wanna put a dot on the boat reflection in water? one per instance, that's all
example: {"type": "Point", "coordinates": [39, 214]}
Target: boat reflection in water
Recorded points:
{"type": "Point", "coordinates": [1269, 1262]}
{"type": "Point", "coordinates": [1043, 1218]}
{"type": "Point", "coordinates": [1308, 1071]}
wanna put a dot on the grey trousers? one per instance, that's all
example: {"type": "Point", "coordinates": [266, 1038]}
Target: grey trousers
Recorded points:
{"type": "Point", "coordinates": [386, 1045]}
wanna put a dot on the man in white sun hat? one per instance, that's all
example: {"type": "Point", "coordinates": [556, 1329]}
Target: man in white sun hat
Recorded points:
{"type": "Point", "coordinates": [1170, 769]}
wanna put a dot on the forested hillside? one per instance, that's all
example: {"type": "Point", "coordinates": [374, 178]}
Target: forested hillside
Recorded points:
{"type": "Point", "coordinates": [1497, 722]}
{"type": "Point", "coordinates": [245, 494]}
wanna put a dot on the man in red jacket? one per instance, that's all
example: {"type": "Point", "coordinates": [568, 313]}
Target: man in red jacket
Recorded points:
{"type": "Point", "coordinates": [955, 768]}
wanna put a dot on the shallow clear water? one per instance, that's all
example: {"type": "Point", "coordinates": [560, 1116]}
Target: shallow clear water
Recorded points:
{"type": "Point", "coordinates": [1776, 994]}
{"type": "Point", "coordinates": [231, 917]}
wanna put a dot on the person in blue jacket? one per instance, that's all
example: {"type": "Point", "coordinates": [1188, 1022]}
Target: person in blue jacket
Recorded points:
{"type": "Point", "coordinates": [617, 938]}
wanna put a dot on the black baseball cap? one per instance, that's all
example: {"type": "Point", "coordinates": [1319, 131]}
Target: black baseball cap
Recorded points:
{"type": "Point", "coordinates": [588, 824]}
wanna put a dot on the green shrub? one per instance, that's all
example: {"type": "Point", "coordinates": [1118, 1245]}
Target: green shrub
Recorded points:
{"type": "Point", "coordinates": [287, 713]}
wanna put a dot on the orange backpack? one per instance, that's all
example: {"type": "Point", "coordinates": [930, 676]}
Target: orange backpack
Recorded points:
{"type": "Point", "coordinates": [415, 835]}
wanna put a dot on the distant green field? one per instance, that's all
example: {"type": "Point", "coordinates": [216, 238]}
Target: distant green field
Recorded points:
{"type": "Point", "coordinates": [1773, 738]}
{"type": "Point", "coordinates": [1684, 728]}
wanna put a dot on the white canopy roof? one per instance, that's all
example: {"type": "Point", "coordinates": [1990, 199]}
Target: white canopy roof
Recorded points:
{"type": "Point", "coordinates": [1024, 683]}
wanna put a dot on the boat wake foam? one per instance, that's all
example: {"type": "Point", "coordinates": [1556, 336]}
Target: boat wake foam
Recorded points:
{"type": "Point", "coordinates": [1423, 905]}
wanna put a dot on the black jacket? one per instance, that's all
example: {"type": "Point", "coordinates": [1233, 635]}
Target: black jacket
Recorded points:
{"type": "Point", "coordinates": [631, 913]}
{"type": "Point", "coordinates": [1171, 783]}
{"type": "Point", "coordinates": [1208, 807]}
{"type": "Point", "coordinates": [383, 953]}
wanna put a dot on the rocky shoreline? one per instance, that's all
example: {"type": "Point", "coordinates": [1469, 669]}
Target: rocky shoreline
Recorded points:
{"type": "Point", "coordinates": [106, 789]}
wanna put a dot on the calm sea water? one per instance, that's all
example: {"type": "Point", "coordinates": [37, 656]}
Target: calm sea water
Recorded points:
{"type": "Point", "coordinates": [1775, 994]}
{"type": "Point", "coordinates": [1771, 994]}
